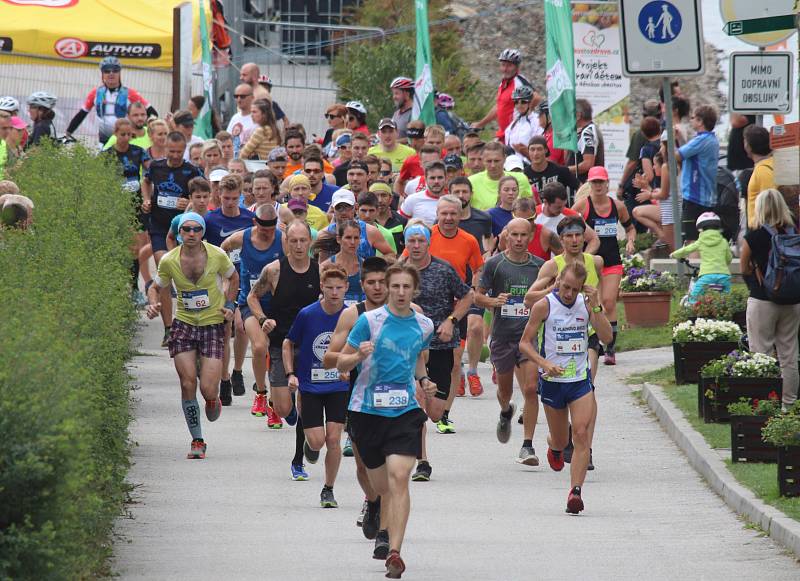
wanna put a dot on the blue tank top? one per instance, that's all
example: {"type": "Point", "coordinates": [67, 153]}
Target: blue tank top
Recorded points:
{"type": "Point", "coordinates": [252, 262]}
{"type": "Point", "coordinates": [365, 249]}
{"type": "Point", "coordinates": [354, 292]}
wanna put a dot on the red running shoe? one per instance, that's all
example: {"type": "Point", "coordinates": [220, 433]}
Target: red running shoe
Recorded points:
{"type": "Point", "coordinates": [574, 501]}
{"type": "Point", "coordinates": [274, 421]}
{"type": "Point", "coordinates": [259, 408]}
{"type": "Point", "coordinates": [494, 375]}
{"type": "Point", "coordinates": [555, 459]}
{"type": "Point", "coordinates": [460, 392]}
{"type": "Point", "coordinates": [213, 409]}
{"type": "Point", "coordinates": [394, 565]}
{"type": "Point", "coordinates": [475, 385]}
{"type": "Point", "coordinates": [610, 359]}
{"type": "Point", "coordinates": [197, 451]}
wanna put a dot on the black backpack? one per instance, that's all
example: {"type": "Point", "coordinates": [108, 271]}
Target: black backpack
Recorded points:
{"type": "Point", "coordinates": [781, 278]}
{"type": "Point", "coordinates": [727, 207]}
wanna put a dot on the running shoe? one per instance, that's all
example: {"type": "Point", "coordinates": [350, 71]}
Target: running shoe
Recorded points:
{"type": "Point", "coordinates": [165, 340]}
{"type": "Point", "coordinates": [445, 426]}
{"type": "Point", "coordinates": [475, 385]}
{"type": "Point", "coordinates": [555, 459]}
{"type": "Point", "coordinates": [213, 409]}
{"type": "Point", "coordinates": [394, 565]}
{"type": "Point", "coordinates": [521, 418]}
{"type": "Point", "coordinates": [237, 382]}
{"type": "Point", "coordinates": [197, 451]}
{"type": "Point", "coordinates": [527, 456]}
{"type": "Point", "coordinates": [274, 421]}
{"type": "Point", "coordinates": [461, 391]}
{"type": "Point", "coordinates": [299, 473]}
{"type": "Point", "coordinates": [504, 424]}
{"type": "Point", "coordinates": [259, 408]}
{"type": "Point", "coordinates": [291, 419]}
{"type": "Point", "coordinates": [423, 473]}
{"type": "Point", "coordinates": [591, 461]}
{"type": "Point", "coordinates": [326, 499]}
{"type": "Point", "coordinates": [347, 450]}
{"type": "Point", "coordinates": [372, 519]}
{"type": "Point", "coordinates": [225, 392]}
{"type": "Point", "coordinates": [381, 550]}
{"type": "Point", "coordinates": [311, 455]}
{"type": "Point", "coordinates": [574, 500]}
{"type": "Point", "coordinates": [610, 359]}
{"type": "Point", "coordinates": [360, 519]}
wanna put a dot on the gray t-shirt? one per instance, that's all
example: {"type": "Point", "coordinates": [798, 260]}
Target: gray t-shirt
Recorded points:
{"type": "Point", "coordinates": [439, 289]}
{"type": "Point", "coordinates": [402, 120]}
{"type": "Point", "coordinates": [479, 224]}
{"type": "Point", "coordinates": [500, 275]}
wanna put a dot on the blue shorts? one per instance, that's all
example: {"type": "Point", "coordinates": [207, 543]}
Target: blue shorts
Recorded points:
{"type": "Point", "coordinates": [699, 288]}
{"type": "Point", "coordinates": [560, 395]}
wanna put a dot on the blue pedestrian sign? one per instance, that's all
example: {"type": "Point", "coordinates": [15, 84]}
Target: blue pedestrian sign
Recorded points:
{"type": "Point", "coordinates": [661, 38]}
{"type": "Point", "coordinates": [660, 22]}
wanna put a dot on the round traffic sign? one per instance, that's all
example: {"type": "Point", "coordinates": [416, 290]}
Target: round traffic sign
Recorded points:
{"type": "Point", "coordinates": [747, 9]}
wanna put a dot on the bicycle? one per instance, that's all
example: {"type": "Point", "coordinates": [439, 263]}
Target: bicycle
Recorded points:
{"type": "Point", "coordinates": [694, 274]}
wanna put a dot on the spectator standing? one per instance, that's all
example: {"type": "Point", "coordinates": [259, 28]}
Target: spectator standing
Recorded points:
{"type": "Point", "coordinates": [591, 151]}
{"type": "Point", "coordinates": [503, 109]}
{"type": "Point", "coordinates": [756, 145]}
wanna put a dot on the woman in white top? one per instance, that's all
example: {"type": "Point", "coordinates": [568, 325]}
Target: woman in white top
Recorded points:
{"type": "Point", "coordinates": [524, 123]}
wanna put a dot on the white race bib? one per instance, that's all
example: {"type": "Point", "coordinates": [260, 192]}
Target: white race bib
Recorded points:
{"type": "Point", "coordinates": [515, 311]}
{"type": "Point", "coordinates": [235, 254]}
{"type": "Point", "coordinates": [391, 395]}
{"type": "Point", "coordinates": [605, 227]}
{"type": "Point", "coordinates": [167, 202]}
{"type": "Point", "coordinates": [319, 375]}
{"type": "Point", "coordinates": [570, 342]}
{"type": "Point", "coordinates": [350, 302]}
{"type": "Point", "coordinates": [195, 300]}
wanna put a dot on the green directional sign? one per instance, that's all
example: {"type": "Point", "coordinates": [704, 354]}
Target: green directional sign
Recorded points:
{"type": "Point", "coordinates": [756, 25]}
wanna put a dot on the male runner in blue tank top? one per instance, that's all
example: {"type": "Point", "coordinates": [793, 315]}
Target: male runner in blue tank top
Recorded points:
{"type": "Point", "coordinates": [565, 384]}
{"type": "Point", "coordinates": [259, 245]}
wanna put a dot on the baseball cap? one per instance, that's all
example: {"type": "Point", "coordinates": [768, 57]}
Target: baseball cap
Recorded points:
{"type": "Point", "coordinates": [386, 122]}
{"type": "Point", "coordinates": [216, 175]}
{"type": "Point", "coordinates": [512, 163]}
{"type": "Point", "coordinates": [183, 117]}
{"type": "Point", "coordinates": [18, 123]}
{"type": "Point", "coordinates": [415, 132]}
{"type": "Point", "coordinates": [453, 161]}
{"type": "Point", "coordinates": [343, 197]}
{"type": "Point", "coordinates": [598, 172]}
{"type": "Point", "coordinates": [276, 154]}
{"type": "Point", "coordinates": [297, 204]}
{"type": "Point", "coordinates": [343, 140]}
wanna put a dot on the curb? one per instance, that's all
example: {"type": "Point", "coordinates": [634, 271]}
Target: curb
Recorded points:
{"type": "Point", "coordinates": [705, 460]}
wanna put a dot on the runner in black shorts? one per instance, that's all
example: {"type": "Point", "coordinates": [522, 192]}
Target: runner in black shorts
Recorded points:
{"type": "Point", "coordinates": [323, 392]}
{"type": "Point", "coordinates": [445, 299]}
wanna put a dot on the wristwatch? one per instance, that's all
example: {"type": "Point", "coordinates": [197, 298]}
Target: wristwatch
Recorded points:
{"type": "Point", "coordinates": [597, 309]}
{"type": "Point", "coordinates": [230, 305]}
{"type": "Point", "coordinates": [261, 320]}
{"type": "Point", "coordinates": [289, 374]}
{"type": "Point", "coordinates": [453, 319]}
{"type": "Point", "coordinates": [423, 378]}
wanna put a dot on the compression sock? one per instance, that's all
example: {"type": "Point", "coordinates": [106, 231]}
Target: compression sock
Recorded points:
{"type": "Point", "coordinates": [527, 443]}
{"type": "Point", "coordinates": [610, 346]}
{"type": "Point", "coordinates": [299, 440]}
{"type": "Point", "coordinates": [191, 411]}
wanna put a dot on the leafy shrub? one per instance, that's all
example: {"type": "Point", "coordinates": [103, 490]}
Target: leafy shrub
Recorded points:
{"type": "Point", "coordinates": [782, 430]}
{"type": "Point", "coordinates": [715, 305]}
{"type": "Point", "coordinates": [65, 336]}
{"type": "Point", "coordinates": [757, 407]}
{"type": "Point", "coordinates": [742, 364]}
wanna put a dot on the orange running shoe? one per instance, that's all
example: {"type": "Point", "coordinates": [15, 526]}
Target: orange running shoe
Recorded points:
{"type": "Point", "coordinates": [475, 385]}
{"type": "Point", "coordinates": [274, 421]}
{"type": "Point", "coordinates": [197, 451]}
{"type": "Point", "coordinates": [394, 565]}
{"type": "Point", "coordinates": [259, 408]}
{"type": "Point", "coordinates": [461, 392]}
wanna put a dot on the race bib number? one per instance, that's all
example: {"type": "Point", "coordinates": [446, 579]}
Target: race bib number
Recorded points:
{"type": "Point", "coordinates": [131, 185]}
{"type": "Point", "coordinates": [350, 302]}
{"type": "Point", "coordinates": [570, 343]}
{"type": "Point", "coordinates": [391, 395]}
{"type": "Point", "coordinates": [605, 227]}
{"type": "Point", "coordinates": [167, 202]}
{"type": "Point", "coordinates": [235, 255]}
{"type": "Point", "coordinates": [515, 311]}
{"type": "Point", "coordinates": [319, 375]}
{"type": "Point", "coordinates": [195, 300]}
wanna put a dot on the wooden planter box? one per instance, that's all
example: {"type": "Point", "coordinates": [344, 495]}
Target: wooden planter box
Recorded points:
{"type": "Point", "coordinates": [730, 390]}
{"type": "Point", "coordinates": [789, 470]}
{"type": "Point", "coordinates": [691, 357]}
{"type": "Point", "coordinates": [646, 309]}
{"type": "Point", "coordinates": [746, 442]}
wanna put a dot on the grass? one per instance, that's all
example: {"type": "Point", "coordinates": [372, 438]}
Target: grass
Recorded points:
{"type": "Point", "coordinates": [762, 479]}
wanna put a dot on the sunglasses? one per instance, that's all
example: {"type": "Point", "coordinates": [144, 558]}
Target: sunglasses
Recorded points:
{"type": "Point", "coordinates": [386, 172]}
{"type": "Point", "coordinates": [331, 116]}
{"type": "Point", "coordinates": [191, 228]}
{"type": "Point", "coordinates": [342, 207]}
{"type": "Point", "coordinates": [521, 101]}
{"type": "Point", "coordinates": [112, 69]}
{"type": "Point", "coordinates": [243, 96]}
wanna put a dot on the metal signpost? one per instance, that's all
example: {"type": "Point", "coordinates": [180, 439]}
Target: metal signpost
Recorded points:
{"type": "Point", "coordinates": [663, 38]}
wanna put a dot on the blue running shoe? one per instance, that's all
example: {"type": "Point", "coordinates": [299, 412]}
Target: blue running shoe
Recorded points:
{"type": "Point", "coordinates": [298, 473]}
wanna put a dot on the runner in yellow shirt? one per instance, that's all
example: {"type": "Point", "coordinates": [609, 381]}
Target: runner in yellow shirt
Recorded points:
{"type": "Point", "coordinates": [389, 148]}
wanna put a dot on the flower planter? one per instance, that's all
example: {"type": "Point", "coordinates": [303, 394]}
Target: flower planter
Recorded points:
{"type": "Point", "coordinates": [717, 394]}
{"type": "Point", "coordinates": [646, 309]}
{"type": "Point", "coordinates": [690, 357]}
{"type": "Point", "coordinates": [746, 442]}
{"type": "Point", "coordinates": [789, 470]}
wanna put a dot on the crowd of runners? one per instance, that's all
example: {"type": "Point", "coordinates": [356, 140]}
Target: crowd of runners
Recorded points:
{"type": "Point", "coordinates": [366, 272]}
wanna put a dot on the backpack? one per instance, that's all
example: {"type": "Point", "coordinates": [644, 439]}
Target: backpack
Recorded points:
{"type": "Point", "coordinates": [781, 281]}
{"type": "Point", "coordinates": [727, 207]}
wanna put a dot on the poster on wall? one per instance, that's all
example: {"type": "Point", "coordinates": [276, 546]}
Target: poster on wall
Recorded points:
{"type": "Point", "coordinates": [599, 79]}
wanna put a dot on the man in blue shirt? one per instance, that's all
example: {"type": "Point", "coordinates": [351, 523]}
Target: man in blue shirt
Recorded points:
{"type": "Point", "coordinates": [699, 172]}
{"type": "Point", "coordinates": [385, 417]}
{"type": "Point", "coordinates": [321, 390]}
{"type": "Point", "coordinates": [221, 223]}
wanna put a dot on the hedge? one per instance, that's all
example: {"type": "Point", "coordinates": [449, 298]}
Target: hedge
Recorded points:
{"type": "Point", "coordinates": [66, 327]}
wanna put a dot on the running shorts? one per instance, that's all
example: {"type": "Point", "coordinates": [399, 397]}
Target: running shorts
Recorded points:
{"type": "Point", "coordinates": [560, 395]}
{"type": "Point", "coordinates": [333, 406]}
{"type": "Point", "coordinates": [277, 373]}
{"type": "Point", "coordinates": [505, 355]}
{"type": "Point", "coordinates": [616, 269]}
{"type": "Point", "coordinates": [440, 367]}
{"type": "Point", "coordinates": [208, 340]}
{"type": "Point", "coordinates": [377, 437]}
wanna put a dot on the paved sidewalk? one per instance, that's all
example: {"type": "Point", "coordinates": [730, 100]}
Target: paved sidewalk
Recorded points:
{"type": "Point", "coordinates": [238, 515]}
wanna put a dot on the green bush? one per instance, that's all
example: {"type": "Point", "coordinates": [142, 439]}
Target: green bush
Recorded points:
{"type": "Point", "coordinates": [364, 70]}
{"type": "Point", "coordinates": [65, 336]}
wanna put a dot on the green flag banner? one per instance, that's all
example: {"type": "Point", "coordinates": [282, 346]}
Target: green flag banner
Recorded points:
{"type": "Point", "coordinates": [202, 126]}
{"type": "Point", "coordinates": [423, 85]}
{"type": "Point", "coordinates": [560, 73]}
